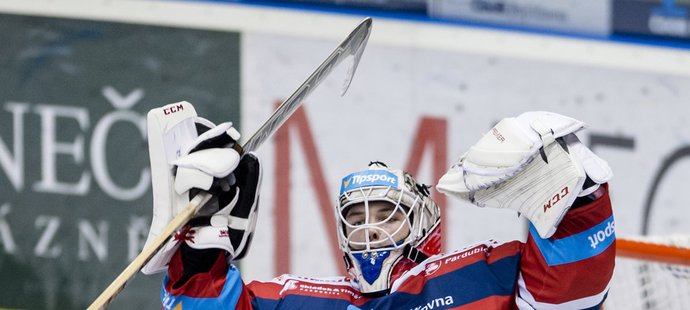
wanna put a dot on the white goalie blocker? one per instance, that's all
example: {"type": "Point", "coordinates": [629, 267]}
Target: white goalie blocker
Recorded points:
{"type": "Point", "coordinates": [533, 164]}
{"type": "Point", "coordinates": [183, 160]}
{"type": "Point", "coordinates": [170, 129]}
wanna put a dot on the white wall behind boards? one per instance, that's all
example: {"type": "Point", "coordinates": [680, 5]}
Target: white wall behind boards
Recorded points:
{"type": "Point", "coordinates": [636, 121]}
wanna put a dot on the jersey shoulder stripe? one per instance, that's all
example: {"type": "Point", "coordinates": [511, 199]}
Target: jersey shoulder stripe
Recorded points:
{"type": "Point", "coordinates": [577, 247]}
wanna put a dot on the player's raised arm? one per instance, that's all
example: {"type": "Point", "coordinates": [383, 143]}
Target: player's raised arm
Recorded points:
{"type": "Point", "coordinates": [535, 164]}
{"type": "Point", "coordinates": [189, 155]}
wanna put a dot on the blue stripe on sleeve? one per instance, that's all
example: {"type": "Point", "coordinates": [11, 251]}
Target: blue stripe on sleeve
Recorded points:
{"type": "Point", "coordinates": [586, 244]}
{"type": "Point", "coordinates": [227, 299]}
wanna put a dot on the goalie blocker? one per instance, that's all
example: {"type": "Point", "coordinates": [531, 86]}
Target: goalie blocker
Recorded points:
{"type": "Point", "coordinates": [533, 164]}
{"type": "Point", "coordinates": [189, 154]}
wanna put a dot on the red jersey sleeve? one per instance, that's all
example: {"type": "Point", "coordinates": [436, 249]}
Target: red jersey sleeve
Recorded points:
{"type": "Point", "coordinates": [573, 268]}
{"type": "Point", "coordinates": [219, 288]}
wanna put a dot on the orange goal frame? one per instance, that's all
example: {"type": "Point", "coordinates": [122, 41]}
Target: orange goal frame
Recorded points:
{"type": "Point", "coordinates": [652, 251]}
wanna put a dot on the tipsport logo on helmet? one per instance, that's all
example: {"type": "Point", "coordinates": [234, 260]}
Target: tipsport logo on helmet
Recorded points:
{"type": "Point", "coordinates": [368, 178]}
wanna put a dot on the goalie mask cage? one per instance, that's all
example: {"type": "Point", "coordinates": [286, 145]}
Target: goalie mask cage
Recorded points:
{"type": "Point", "coordinates": [652, 272]}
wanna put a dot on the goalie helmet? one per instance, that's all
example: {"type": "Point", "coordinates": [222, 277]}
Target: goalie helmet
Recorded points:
{"type": "Point", "coordinates": [387, 224]}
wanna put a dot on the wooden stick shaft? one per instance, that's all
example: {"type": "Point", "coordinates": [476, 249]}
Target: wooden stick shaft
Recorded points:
{"type": "Point", "coordinates": [147, 253]}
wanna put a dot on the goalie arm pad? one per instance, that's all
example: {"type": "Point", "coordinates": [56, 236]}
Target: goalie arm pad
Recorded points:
{"type": "Point", "coordinates": [533, 164]}
{"type": "Point", "coordinates": [202, 279]}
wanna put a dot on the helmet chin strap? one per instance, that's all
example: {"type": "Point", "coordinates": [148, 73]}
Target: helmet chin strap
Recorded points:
{"type": "Point", "coordinates": [370, 269]}
{"type": "Point", "coordinates": [414, 254]}
{"type": "Point", "coordinates": [373, 272]}
{"type": "Point", "coordinates": [370, 265]}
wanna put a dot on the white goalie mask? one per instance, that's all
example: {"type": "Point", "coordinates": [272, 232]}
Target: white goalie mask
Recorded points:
{"type": "Point", "coordinates": [386, 225]}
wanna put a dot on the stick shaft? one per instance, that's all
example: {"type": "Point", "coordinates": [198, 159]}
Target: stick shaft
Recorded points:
{"type": "Point", "coordinates": [147, 253]}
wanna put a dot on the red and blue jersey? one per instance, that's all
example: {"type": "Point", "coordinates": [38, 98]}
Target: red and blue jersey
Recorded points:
{"type": "Point", "coordinates": [570, 270]}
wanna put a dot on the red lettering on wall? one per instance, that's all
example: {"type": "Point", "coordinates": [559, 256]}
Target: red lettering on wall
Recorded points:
{"type": "Point", "coordinates": [282, 196]}
{"type": "Point", "coordinates": [432, 135]}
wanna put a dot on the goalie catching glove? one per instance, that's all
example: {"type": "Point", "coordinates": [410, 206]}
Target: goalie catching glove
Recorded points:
{"type": "Point", "coordinates": [533, 164]}
{"type": "Point", "coordinates": [190, 154]}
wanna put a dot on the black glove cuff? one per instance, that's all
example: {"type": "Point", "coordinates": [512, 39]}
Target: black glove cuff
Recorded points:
{"type": "Point", "coordinates": [195, 261]}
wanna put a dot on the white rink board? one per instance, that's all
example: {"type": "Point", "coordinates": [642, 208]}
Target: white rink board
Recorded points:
{"type": "Point", "coordinates": [396, 86]}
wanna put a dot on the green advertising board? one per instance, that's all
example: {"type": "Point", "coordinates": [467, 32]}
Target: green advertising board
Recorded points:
{"type": "Point", "coordinates": [75, 192]}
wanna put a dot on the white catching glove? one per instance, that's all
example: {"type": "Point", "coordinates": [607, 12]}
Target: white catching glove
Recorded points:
{"type": "Point", "coordinates": [182, 164]}
{"type": "Point", "coordinates": [533, 164]}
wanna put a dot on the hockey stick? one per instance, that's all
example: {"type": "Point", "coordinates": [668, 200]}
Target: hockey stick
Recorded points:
{"type": "Point", "coordinates": [353, 45]}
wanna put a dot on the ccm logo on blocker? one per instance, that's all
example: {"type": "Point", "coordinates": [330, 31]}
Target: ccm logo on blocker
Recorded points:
{"type": "Point", "coordinates": [556, 198]}
{"type": "Point", "coordinates": [173, 109]}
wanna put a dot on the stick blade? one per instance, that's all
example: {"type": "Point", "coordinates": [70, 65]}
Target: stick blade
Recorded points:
{"type": "Point", "coordinates": [351, 48]}
{"type": "Point", "coordinates": [361, 36]}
